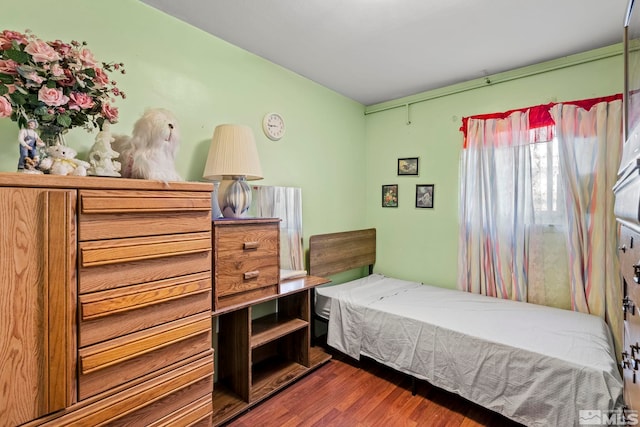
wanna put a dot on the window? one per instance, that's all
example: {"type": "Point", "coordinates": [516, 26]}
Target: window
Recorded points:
{"type": "Point", "coordinates": [546, 189]}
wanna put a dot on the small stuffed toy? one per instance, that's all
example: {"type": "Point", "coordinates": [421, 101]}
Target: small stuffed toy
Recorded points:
{"type": "Point", "coordinates": [61, 160]}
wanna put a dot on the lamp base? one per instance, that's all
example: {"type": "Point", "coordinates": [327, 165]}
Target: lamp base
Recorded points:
{"type": "Point", "coordinates": [237, 199]}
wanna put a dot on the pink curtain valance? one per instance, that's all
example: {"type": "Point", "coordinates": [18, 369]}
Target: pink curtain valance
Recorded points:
{"type": "Point", "coordinates": [539, 115]}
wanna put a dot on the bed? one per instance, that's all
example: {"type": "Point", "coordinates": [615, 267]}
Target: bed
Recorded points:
{"type": "Point", "coordinates": [537, 365]}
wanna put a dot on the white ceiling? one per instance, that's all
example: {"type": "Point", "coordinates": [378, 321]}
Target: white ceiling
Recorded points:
{"type": "Point", "coordinates": [377, 50]}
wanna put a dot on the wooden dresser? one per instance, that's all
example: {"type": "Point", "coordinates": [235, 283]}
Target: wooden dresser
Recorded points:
{"type": "Point", "coordinates": [257, 355]}
{"type": "Point", "coordinates": [627, 211]}
{"type": "Point", "coordinates": [105, 302]}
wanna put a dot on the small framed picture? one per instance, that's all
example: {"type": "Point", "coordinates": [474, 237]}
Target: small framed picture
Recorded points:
{"type": "Point", "coordinates": [408, 166]}
{"type": "Point", "coordinates": [424, 195]}
{"type": "Point", "coordinates": [390, 196]}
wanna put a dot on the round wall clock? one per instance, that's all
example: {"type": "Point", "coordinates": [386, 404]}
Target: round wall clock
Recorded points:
{"type": "Point", "coordinates": [273, 126]}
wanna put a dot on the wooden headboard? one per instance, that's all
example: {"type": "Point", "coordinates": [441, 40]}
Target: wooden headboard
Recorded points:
{"type": "Point", "coordinates": [337, 252]}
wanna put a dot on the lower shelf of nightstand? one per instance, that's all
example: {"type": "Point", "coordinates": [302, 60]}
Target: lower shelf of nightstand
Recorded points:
{"type": "Point", "coordinates": [266, 381]}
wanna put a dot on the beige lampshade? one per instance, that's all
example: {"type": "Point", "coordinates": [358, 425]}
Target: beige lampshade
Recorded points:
{"type": "Point", "coordinates": [233, 153]}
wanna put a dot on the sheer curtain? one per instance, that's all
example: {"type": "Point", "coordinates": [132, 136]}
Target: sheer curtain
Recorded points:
{"type": "Point", "coordinates": [590, 144]}
{"type": "Point", "coordinates": [497, 207]}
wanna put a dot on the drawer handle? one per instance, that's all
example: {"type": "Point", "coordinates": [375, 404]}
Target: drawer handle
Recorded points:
{"type": "Point", "coordinates": [636, 273]}
{"type": "Point", "coordinates": [250, 245]}
{"type": "Point", "coordinates": [623, 248]}
{"type": "Point", "coordinates": [251, 274]}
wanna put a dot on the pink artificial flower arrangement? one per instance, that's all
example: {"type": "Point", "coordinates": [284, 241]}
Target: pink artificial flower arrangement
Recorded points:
{"type": "Point", "coordinates": [59, 84]}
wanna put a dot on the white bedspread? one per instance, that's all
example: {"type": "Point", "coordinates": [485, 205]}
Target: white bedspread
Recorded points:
{"type": "Point", "coordinates": [534, 364]}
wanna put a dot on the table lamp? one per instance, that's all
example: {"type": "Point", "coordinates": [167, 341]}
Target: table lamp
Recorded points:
{"type": "Point", "coordinates": [233, 156]}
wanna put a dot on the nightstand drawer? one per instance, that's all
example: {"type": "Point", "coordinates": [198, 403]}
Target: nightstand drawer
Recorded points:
{"type": "Point", "coordinates": [247, 239]}
{"type": "Point", "coordinates": [235, 274]}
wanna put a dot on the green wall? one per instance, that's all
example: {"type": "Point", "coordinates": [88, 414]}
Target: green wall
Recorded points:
{"type": "Point", "coordinates": [335, 149]}
{"type": "Point", "coordinates": [206, 81]}
{"type": "Point", "coordinates": [422, 244]}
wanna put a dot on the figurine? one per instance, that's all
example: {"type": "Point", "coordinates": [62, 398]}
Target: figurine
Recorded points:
{"type": "Point", "coordinates": [101, 155]}
{"type": "Point", "coordinates": [29, 141]}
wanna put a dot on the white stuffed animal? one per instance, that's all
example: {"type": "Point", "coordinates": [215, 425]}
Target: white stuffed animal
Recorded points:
{"type": "Point", "coordinates": [151, 150]}
{"type": "Point", "coordinates": [61, 160]}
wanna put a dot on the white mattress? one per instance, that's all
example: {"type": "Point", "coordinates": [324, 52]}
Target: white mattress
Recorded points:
{"type": "Point", "coordinates": [537, 365]}
{"type": "Point", "coordinates": [325, 293]}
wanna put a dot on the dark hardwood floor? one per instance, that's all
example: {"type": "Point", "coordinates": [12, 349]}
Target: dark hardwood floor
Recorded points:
{"type": "Point", "coordinates": [349, 393]}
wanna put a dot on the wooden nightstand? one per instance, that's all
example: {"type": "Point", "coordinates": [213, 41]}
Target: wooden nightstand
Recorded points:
{"type": "Point", "coordinates": [257, 356]}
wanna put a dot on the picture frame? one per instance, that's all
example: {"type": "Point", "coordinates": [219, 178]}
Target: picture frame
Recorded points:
{"type": "Point", "coordinates": [424, 195]}
{"type": "Point", "coordinates": [390, 196]}
{"type": "Point", "coordinates": [408, 166]}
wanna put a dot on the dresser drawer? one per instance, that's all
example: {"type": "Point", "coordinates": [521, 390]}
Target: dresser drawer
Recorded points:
{"type": "Point", "coordinates": [246, 259]}
{"type": "Point", "coordinates": [111, 363]}
{"type": "Point", "coordinates": [105, 252]}
{"type": "Point", "coordinates": [629, 253]}
{"type": "Point", "coordinates": [175, 410]}
{"type": "Point", "coordinates": [108, 314]}
{"type": "Point", "coordinates": [107, 264]}
{"type": "Point", "coordinates": [181, 396]}
{"type": "Point", "coordinates": [112, 214]}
